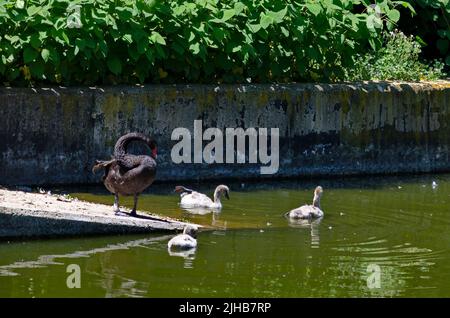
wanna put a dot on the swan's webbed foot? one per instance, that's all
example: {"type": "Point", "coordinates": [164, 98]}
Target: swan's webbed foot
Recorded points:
{"type": "Point", "coordinates": [116, 208]}
{"type": "Point", "coordinates": [133, 212]}
{"type": "Point", "coordinates": [120, 213]}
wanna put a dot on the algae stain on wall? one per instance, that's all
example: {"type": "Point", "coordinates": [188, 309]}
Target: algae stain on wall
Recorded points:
{"type": "Point", "coordinates": [325, 129]}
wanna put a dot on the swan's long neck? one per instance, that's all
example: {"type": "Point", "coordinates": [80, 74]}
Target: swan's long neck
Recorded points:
{"type": "Point", "coordinates": [121, 147]}
{"type": "Point", "coordinates": [217, 196]}
{"type": "Point", "coordinates": [316, 200]}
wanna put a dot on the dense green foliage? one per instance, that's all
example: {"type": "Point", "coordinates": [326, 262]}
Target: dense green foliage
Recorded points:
{"type": "Point", "coordinates": [209, 41]}
{"type": "Point", "coordinates": [431, 26]}
{"type": "Point", "coordinates": [398, 58]}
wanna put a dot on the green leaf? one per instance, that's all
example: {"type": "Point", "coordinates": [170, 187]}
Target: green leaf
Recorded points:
{"type": "Point", "coordinates": [157, 38]}
{"type": "Point", "coordinates": [45, 54]}
{"type": "Point", "coordinates": [277, 16]}
{"type": "Point", "coordinates": [138, 34]}
{"type": "Point", "coordinates": [160, 52]}
{"type": "Point", "coordinates": [32, 10]}
{"type": "Point", "coordinates": [420, 41]}
{"type": "Point", "coordinates": [20, 4]}
{"type": "Point", "coordinates": [408, 6]}
{"type": "Point", "coordinates": [114, 65]}
{"type": "Point", "coordinates": [372, 44]}
{"type": "Point", "coordinates": [142, 47]}
{"type": "Point", "coordinates": [254, 27]}
{"type": "Point", "coordinates": [191, 37]}
{"type": "Point", "coordinates": [103, 48]}
{"type": "Point", "coordinates": [393, 15]}
{"type": "Point", "coordinates": [219, 33]}
{"type": "Point", "coordinates": [80, 44]}
{"type": "Point", "coordinates": [65, 37]}
{"type": "Point", "coordinates": [127, 38]}
{"type": "Point", "coordinates": [7, 59]}
{"type": "Point", "coordinates": [13, 39]}
{"type": "Point", "coordinates": [29, 54]}
{"type": "Point", "coordinates": [124, 13]}
{"type": "Point", "coordinates": [447, 60]}
{"type": "Point", "coordinates": [378, 22]}
{"type": "Point", "coordinates": [314, 8]}
{"type": "Point", "coordinates": [35, 41]}
{"type": "Point", "coordinates": [228, 14]}
{"type": "Point", "coordinates": [195, 48]}
{"type": "Point", "coordinates": [54, 56]}
{"type": "Point", "coordinates": [150, 56]}
{"type": "Point", "coordinates": [265, 21]}
{"type": "Point", "coordinates": [373, 22]}
{"type": "Point", "coordinates": [239, 7]}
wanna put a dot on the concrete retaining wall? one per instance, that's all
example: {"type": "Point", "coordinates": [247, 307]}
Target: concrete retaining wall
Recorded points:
{"type": "Point", "coordinates": [54, 135]}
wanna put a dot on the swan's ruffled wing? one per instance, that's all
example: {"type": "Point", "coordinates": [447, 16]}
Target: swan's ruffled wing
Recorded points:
{"type": "Point", "coordinates": [196, 199]}
{"type": "Point", "coordinates": [306, 212]}
{"type": "Point", "coordinates": [182, 241]}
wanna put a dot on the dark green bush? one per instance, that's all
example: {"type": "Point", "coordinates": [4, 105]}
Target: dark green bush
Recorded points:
{"type": "Point", "coordinates": [431, 27]}
{"type": "Point", "coordinates": [206, 41]}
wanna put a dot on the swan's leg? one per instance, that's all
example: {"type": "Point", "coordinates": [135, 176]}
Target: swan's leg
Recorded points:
{"type": "Point", "coordinates": [116, 203]}
{"type": "Point", "coordinates": [116, 206]}
{"type": "Point", "coordinates": [133, 212]}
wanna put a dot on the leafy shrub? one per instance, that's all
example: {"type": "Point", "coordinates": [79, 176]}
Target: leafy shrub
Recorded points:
{"type": "Point", "coordinates": [209, 41]}
{"type": "Point", "coordinates": [431, 26]}
{"type": "Point", "coordinates": [397, 59]}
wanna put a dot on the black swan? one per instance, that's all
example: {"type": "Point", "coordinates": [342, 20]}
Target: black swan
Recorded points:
{"type": "Point", "coordinates": [127, 174]}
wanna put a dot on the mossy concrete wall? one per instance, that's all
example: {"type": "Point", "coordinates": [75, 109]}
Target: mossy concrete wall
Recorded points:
{"type": "Point", "coordinates": [53, 135]}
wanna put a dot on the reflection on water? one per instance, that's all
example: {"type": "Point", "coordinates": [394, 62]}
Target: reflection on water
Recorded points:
{"type": "Point", "coordinates": [188, 255]}
{"type": "Point", "coordinates": [43, 260]}
{"type": "Point", "coordinates": [312, 225]}
{"type": "Point", "coordinates": [128, 287]}
{"type": "Point", "coordinates": [201, 210]}
{"type": "Point", "coordinates": [399, 225]}
{"type": "Point", "coordinates": [395, 260]}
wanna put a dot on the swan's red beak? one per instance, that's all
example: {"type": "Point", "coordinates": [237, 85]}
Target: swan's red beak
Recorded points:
{"type": "Point", "coordinates": [155, 152]}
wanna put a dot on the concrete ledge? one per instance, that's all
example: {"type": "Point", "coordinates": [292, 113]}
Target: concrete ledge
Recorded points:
{"type": "Point", "coordinates": [53, 135]}
{"type": "Point", "coordinates": [44, 215]}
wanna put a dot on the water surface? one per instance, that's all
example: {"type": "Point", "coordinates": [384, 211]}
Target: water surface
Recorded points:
{"type": "Point", "coordinates": [399, 225]}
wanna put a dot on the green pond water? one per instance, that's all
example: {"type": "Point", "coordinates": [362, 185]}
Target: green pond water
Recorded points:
{"type": "Point", "coordinates": [400, 226]}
